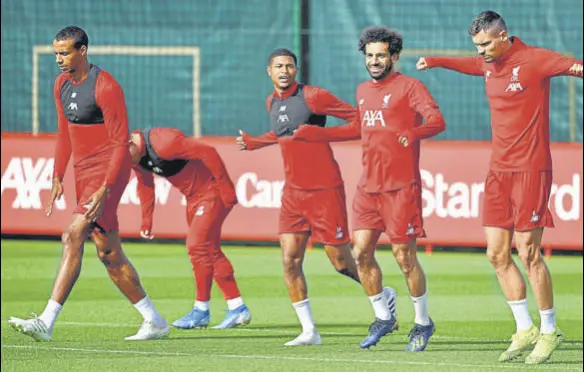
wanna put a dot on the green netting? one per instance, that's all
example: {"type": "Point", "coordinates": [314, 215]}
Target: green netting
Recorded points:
{"type": "Point", "coordinates": [235, 37]}
{"type": "Point", "coordinates": [441, 25]}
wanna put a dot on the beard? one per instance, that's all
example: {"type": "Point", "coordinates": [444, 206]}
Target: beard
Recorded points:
{"type": "Point", "coordinates": [383, 74]}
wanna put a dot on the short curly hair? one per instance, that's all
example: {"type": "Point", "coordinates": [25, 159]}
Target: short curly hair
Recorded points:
{"type": "Point", "coordinates": [381, 34]}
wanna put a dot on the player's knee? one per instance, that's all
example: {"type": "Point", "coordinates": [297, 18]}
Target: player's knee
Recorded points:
{"type": "Point", "coordinates": [364, 257]}
{"type": "Point", "coordinates": [199, 253]}
{"type": "Point", "coordinates": [71, 238]}
{"type": "Point", "coordinates": [529, 254]}
{"type": "Point", "coordinates": [292, 264]}
{"type": "Point", "coordinates": [499, 258]}
{"type": "Point", "coordinates": [405, 259]}
{"type": "Point", "coordinates": [110, 258]}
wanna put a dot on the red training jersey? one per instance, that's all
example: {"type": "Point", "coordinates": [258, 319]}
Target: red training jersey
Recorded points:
{"type": "Point", "coordinates": [92, 125]}
{"type": "Point", "coordinates": [204, 171]}
{"type": "Point", "coordinates": [388, 109]}
{"type": "Point", "coordinates": [518, 90]}
{"type": "Point", "coordinates": [307, 166]}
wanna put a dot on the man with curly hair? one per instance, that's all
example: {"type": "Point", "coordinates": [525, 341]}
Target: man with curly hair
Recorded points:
{"type": "Point", "coordinates": [391, 110]}
{"type": "Point", "coordinates": [313, 200]}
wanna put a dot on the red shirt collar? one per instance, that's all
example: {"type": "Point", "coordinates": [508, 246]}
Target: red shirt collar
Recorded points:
{"type": "Point", "coordinates": [516, 45]}
{"type": "Point", "coordinates": [287, 92]}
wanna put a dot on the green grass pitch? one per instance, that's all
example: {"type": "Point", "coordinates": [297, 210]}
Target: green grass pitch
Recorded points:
{"type": "Point", "coordinates": [473, 322]}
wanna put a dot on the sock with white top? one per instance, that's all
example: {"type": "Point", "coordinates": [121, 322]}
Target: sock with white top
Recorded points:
{"type": "Point", "coordinates": [421, 309]}
{"type": "Point", "coordinates": [148, 311]}
{"type": "Point", "coordinates": [50, 313]}
{"type": "Point", "coordinates": [234, 303]}
{"type": "Point", "coordinates": [521, 314]}
{"type": "Point", "coordinates": [379, 303]}
{"type": "Point", "coordinates": [548, 321]}
{"type": "Point", "coordinates": [201, 305]}
{"type": "Point", "coordinates": [304, 315]}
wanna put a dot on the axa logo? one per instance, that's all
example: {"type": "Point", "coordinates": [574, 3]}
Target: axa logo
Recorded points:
{"type": "Point", "coordinates": [283, 118]}
{"type": "Point", "coordinates": [28, 177]}
{"type": "Point", "coordinates": [515, 84]}
{"type": "Point", "coordinates": [372, 117]}
{"type": "Point", "coordinates": [72, 106]}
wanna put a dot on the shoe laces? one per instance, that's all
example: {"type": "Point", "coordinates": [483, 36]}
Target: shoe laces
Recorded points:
{"type": "Point", "coordinates": [377, 325]}
{"type": "Point", "coordinates": [417, 330]}
{"type": "Point", "coordinates": [146, 326]}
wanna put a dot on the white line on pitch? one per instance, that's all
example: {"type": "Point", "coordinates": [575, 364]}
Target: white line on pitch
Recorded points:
{"type": "Point", "coordinates": [290, 358]}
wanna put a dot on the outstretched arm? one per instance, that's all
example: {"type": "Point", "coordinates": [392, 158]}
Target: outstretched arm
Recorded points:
{"type": "Point", "coordinates": [250, 143]}
{"type": "Point", "coordinates": [551, 64]}
{"type": "Point", "coordinates": [466, 65]}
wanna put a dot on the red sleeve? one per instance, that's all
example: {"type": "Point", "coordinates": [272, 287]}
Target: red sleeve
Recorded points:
{"type": "Point", "coordinates": [423, 103]}
{"type": "Point", "coordinates": [341, 133]}
{"type": "Point", "coordinates": [322, 102]}
{"type": "Point", "coordinates": [189, 148]}
{"type": "Point", "coordinates": [550, 63]}
{"type": "Point", "coordinates": [465, 65]}
{"type": "Point", "coordinates": [263, 140]}
{"type": "Point", "coordinates": [110, 98]}
{"type": "Point", "coordinates": [63, 149]}
{"type": "Point", "coordinates": [145, 189]}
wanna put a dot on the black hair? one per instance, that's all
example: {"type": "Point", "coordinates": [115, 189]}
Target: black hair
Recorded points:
{"type": "Point", "coordinates": [73, 33]}
{"type": "Point", "coordinates": [485, 21]}
{"type": "Point", "coordinates": [381, 34]}
{"type": "Point", "coordinates": [282, 52]}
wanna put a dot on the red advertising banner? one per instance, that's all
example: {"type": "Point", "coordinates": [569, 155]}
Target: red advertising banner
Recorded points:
{"type": "Point", "coordinates": [453, 176]}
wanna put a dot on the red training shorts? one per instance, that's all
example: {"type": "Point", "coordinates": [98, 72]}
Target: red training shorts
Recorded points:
{"type": "Point", "coordinates": [86, 187]}
{"type": "Point", "coordinates": [323, 213]}
{"type": "Point", "coordinates": [517, 200]}
{"type": "Point", "coordinates": [398, 213]}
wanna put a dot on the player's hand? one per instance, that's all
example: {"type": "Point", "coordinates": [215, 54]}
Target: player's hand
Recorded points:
{"type": "Point", "coordinates": [240, 141]}
{"type": "Point", "coordinates": [96, 203]}
{"type": "Point", "coordinates": [422, 64]}
{"type": "Point", "coordinates": [576, 69]}
{"type": "Point", "coordinates": [403, 140]}
{"type": "Point", "coordinates": [146, 234]}
{"type": "Point", "coordinates": [56, 193]}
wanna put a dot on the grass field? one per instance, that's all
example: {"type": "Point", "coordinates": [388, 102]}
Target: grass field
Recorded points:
{"type": "Point", "coordinates": [473, 322]}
